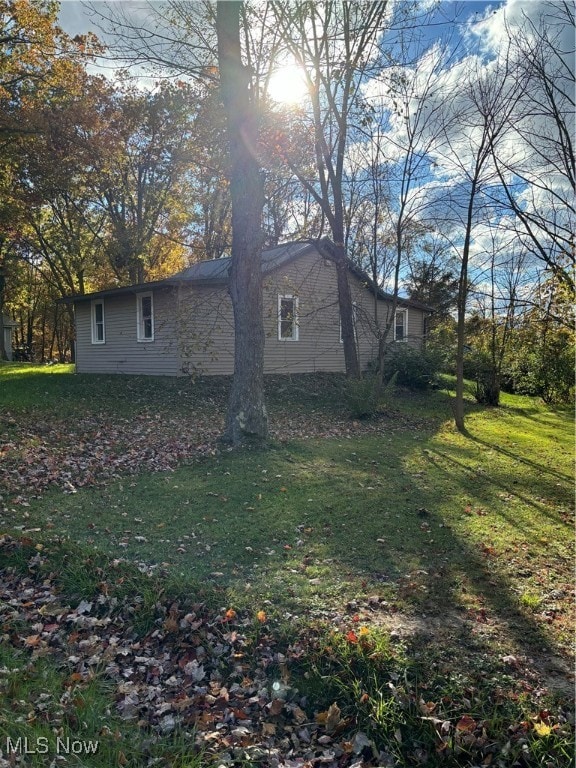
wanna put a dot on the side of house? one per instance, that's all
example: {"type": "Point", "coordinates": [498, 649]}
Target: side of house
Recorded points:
{"type": "Point", "coordinates": [185, 324]}
{"type": "Point", "coordinates": [127, 332]}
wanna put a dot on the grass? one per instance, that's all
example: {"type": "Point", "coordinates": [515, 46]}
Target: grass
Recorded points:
{"type": "Point", "coordinates": [459, 547]}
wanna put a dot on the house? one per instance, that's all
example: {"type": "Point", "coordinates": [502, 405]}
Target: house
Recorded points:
{"type": "Point", "coordinates": [8, 326]}
{"type": "Point", "coordinates": [184, 324]}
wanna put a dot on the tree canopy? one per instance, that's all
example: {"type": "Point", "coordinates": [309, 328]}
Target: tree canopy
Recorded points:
{"type": "Point", "coordinates": [425, 159]}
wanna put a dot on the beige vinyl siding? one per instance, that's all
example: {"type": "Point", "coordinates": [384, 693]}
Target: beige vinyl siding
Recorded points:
{"type": "Point", "coordinates": [313, 282]}
{"type": "Point", "coordinates": [205, 322]}
{"type": "Point", "coordinates": [415, 327]}
{"type": "Point", "coordinates": [194, 327]}
{"type": "Point", "coordinates": [368, 319]}
{"type": "Point", "coordinates": [122, 352]}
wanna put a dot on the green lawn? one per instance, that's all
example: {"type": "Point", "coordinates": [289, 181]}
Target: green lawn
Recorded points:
{"type": "Point", "coordinates": [460, 546]}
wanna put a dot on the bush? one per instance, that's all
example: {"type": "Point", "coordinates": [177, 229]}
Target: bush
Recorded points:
{"type": "Point", "coordinates": [361, 397]}
{"type": "Point", "coordinates": [479, 367]}
{"type": "Point", "coordinates": [544, 371]}
{"type": "Point", "coordinates": [413, 368]}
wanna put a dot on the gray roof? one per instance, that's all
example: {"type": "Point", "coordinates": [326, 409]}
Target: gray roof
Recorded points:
{"type": "Point", "coordinates": [215, 272]}
{"type": "Point", "coordinates": [217, 269]}
{"type": "Point", "coordinates": [205, 272]}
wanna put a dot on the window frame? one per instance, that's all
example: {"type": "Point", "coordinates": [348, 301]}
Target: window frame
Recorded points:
{"type": "Point", "coordinates": [140, 319]}
{"type": "Point", "coordinates": [95, 324]}
{"type": "Point", "coordinates": [295, 324]}
{"type": "Point", "coordinates": [404, 312]}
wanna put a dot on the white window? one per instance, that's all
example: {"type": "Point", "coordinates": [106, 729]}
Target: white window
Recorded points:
{"type": "Point", "coordinates": [145, 313]}
{"type": "Point", "coordinates": [287, 318]}
{"type": "Point", "coordinates": [98, 327]}
{"type": "Point", "coordinates": [401, 325]}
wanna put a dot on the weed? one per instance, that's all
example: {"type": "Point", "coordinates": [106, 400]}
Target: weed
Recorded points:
{"type": "Point", "coordinates": [531, 601]}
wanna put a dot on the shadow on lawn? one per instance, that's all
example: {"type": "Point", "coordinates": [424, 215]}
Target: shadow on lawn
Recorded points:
{"type": "Point", "coordinates": [464, 606]}
{"type": "Point", "coordinates": [541, 468]}
{"type": "Point", "coordinates": [494, 480]}
{"type": "Point", "coordinates": [463, 580]}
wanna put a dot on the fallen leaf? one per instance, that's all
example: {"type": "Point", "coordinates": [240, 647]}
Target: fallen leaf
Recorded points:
{"type": "Point", "coordinates": [332, 718]}
{"type": "Point", "coordinates": [466, 723]}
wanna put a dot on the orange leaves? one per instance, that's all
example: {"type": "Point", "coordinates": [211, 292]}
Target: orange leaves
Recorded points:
{"type": "Point", "coordinates": [230, 615]}
{"type": "Point", "coordinates": [362, 636]}
{"type": "Point", "coordinates": [331, 719]}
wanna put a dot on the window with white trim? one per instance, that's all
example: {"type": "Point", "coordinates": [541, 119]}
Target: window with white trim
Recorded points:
{"type": "Point", "coordinates": [401, 325]}
{"type": "Point", "coordinates": [287, 318]}
{"type": "Point", "coordinates": [98, 326]}
{"type": "Point", "coordinates": [145, 313]}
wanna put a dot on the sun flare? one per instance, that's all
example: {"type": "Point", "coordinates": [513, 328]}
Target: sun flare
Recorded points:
{"type": "Point", "coordinates": [288, 86]}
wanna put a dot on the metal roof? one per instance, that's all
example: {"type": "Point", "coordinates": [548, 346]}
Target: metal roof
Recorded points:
{"type": "Point", "coordinates": [216, 271]}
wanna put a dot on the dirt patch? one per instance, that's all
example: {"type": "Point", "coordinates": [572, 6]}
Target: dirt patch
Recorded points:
{"type": "Point", "coordinates": [466, 638]}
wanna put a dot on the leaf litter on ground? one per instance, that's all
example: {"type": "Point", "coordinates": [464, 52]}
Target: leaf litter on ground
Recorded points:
{"type": "Point", "coordinates": [198, 670]}
{"type": "Point", "coordinates": [225, 677]}
{"type": "Point", "coordinates": [38, 452]}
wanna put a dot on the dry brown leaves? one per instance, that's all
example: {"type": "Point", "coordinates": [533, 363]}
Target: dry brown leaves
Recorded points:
{"type": "Point", "coordinates": [203, 672]}
{"type": "Point", "coordinates": [37, 452]}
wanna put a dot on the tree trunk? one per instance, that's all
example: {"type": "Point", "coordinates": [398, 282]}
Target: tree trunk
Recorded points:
{"type": "Point", "coordinates": [459, 417]}
{"type": "Point", "coordinates": [247, 421]}
{"type": "Point", "coordinates": [337, 254]}
{"type": "Point", "coordinates": [346, 315]}
{"type": "Point", "coordinates": [3, 352]}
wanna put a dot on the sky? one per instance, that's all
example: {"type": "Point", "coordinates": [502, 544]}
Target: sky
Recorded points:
{"type": "Point", "coordinates": [475, 31]}
{"type": "Point", "coordinates": [76, 16]}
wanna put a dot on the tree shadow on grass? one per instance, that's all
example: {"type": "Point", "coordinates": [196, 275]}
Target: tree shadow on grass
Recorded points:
{"type": "Point", "coordinates": [478, 484]}
{"type": "Point", "coordinates": [465, 606]}
{"type": "Point", "coordinates": [540, 468]}
{"type": "Point", "coordinates": [463, 585]}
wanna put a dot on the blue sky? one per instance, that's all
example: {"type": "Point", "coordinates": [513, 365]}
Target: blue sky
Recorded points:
{"type": "Point", "coordinates": [76, 18]}
{"type": "Point", "coordinates": [479, 32]}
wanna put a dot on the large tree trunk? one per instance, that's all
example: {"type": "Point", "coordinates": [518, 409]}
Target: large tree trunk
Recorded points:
{"type": "Point", "coordinates": [247, 420]}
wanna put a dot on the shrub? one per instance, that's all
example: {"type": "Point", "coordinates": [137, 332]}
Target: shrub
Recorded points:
{"type": "Point", "coordinates": [479, 367]}
{"type": "Point", "coordinates": [363, 396]}
{"type": "Point", "coordinates": [413, 368]}
{"type": "Point", "coordinates": [546, 371]}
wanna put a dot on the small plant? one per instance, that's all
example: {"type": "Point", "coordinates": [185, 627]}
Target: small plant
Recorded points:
{"type": "Point", "coordinates": [362, 397]}
{"type": "Point", "coordinates": [366, 395]}
{"type": "Point", "coordinates": [530, 600]}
